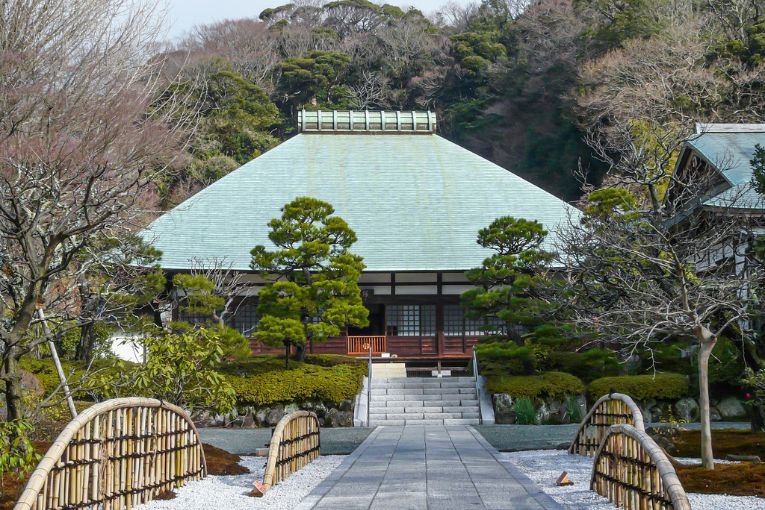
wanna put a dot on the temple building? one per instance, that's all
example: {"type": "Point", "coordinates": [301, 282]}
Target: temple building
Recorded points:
{"type": "Point", "coordinates": [415, 200]}
{"type": "Point", "coordinates": [718, 156]}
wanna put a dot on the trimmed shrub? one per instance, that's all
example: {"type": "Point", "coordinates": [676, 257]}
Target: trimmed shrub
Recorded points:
{"type": "Point", "coordinates": [264, 380]}
{"type": "Point", "coordinates": [548, 384]}
{"type": "Point", "coordinates": [641, 387]}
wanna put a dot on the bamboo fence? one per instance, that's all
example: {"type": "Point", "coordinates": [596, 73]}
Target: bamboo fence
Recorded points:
{"type": "Point", "coordinates": [632, 471]}
{"type": "Point", "coordinates": [294, 444]}
{"type": "Point", "coordinates": [611, 409]}
{"type": "Point", "coordinates": [117, 454]}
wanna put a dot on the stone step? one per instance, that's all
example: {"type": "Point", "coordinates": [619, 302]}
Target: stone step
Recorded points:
{"type": "Point", "coordinates": [421, 416]}
{"type": "Point", "coordinates": [427, 401]}
{"type": "Point", "coordinates": [463, 421]}
{"type": "Point", "coordinates": [422, 391]}
{"type": "Point", "coordinates": [424, 379]}
{"type": "Point", "coordinates": [375, 423]}
{"type": "Point", "coordinates": [384, 371]}
{"type": "Point", "coordinates": [418, 416]}
{"type": "Point", "coordinates": [429, 409]}
{"type": "Point", "coordinates": [418, 396]}
{"type": "Point", "coordinates": [448, 421]}
{"type": "Point", "coordinates": [426, 384]}
{"type": "Point", "coordinates": [433, 388]}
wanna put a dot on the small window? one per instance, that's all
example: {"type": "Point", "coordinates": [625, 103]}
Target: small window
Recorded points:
{"type": "Point", "coordinates": [454, 320]}
{"type": "Point", "coordinates": [456, 324]}
{"type": "Point", "coordinates": [411, 320]}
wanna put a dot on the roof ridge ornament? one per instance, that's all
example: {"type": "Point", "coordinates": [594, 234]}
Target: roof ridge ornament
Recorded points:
{"type": "Point", "coordinates": [367, 121]}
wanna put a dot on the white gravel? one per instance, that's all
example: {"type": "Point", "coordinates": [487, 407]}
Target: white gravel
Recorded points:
{"type": "Point", "coordinates": [544, 467]}
{"type": "Point", "coordinates": [232, 492]}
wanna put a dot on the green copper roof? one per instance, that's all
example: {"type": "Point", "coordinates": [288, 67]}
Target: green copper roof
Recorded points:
{"type": "Point", "coordinates": [730, 148]}
{"type": "Point", "coordinates": [730, 152]}
{"type": "Point", "coordinates": [416, 202]}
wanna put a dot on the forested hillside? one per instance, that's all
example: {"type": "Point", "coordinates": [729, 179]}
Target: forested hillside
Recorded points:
{"type": "Point", "coordinates": [530, 84]}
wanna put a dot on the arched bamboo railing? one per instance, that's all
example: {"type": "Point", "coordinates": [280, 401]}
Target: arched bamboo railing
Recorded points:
{"type": "Point", "coordinates": [611, 409]}
{"type": "Point", "coordinates": [117, 454]}
{"type": "Point", "coordinates": [632, 471]}
{"type": "Point", "coordinates": [294, 444]}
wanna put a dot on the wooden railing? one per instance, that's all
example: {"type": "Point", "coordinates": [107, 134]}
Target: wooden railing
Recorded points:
{"type": "Point", "coordinates": [294, 444]}
{"type": "Point", "coordinates": [611, 409]}
{"type": "Point", "coordinates": [632, 471]}
{"type": "Point", "coordinates": [117, 454]}
{"type": "Point", "coordinates": [361, 344]}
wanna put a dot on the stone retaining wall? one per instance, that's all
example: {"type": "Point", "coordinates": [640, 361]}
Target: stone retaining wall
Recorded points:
{"type": "Point", "coordinates": [248, 417]}
{"type": "Point", "coordinates": [551, 410]}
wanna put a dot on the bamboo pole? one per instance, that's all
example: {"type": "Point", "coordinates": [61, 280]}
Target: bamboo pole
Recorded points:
{"type": "Point", "coordinates": [57, 361]}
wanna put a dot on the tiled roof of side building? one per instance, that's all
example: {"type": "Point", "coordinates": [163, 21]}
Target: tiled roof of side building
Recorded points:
{"type": "Point", "coordinates": [730, 148]}
{"type": "Point", "coordinates": [415, 201]}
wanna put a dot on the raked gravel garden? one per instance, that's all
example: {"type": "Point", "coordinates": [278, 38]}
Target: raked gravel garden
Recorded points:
{"type": "Point", "coordinates": [542, 466]}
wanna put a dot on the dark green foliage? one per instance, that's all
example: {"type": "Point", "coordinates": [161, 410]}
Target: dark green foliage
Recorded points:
{"type": "Point", "coordinates": [509, 283]}
{"type": "Point", "coordinates": [641, 387]}
{"type": "Point", "coordinates": [238, 115]}
{"type": "Point", "coordinates": [313, 76]}
{"type": "Point", "coordinates": [506, 358]}
{"type": "Point", "coordinates": [264, 380]}
{"type": "Point", "coordinates": [758, 169]}
{"type": "Point", "coordinates": [586, 365]}
{"type": "Point", "coordinates": [548, 384]}
{"type": "Point", "coordinates": [313, 290]}
{"type": "Point", "coordinates": [525, 414]}
{"type": "Point", "coordinates": [237, 122]}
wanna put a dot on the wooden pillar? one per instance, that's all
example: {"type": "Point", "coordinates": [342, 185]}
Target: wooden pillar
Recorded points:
{"type": "Point", "coordinates": [440, 337]}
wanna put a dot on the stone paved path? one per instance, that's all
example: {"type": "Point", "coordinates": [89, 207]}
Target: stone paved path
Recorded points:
{"type": "Point", "coordinates": [426, 467]}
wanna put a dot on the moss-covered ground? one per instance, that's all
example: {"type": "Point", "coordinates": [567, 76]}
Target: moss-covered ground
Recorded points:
{"type": "Point", "coordinates": [742, 479]}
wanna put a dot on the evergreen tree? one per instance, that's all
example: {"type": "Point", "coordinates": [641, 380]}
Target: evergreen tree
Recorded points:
{"type": "Point", "coordinates": [313, 290]}
{"type": "Point", "coordinates": [507, 283]}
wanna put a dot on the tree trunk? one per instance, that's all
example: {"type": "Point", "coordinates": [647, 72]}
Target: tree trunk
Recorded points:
{"type": "Point", "coordinates": [707, 342]}
{"type": "Point", "coordinates": [286, 354]}
{"type": "Point", "coordinates": [758, 418]}
{"type": "Point", "coordinates": [85, 345]}
{"type": "Point", "coordinates": [12, 384]}
{"type": "Point", "coordinates": [299, 352]}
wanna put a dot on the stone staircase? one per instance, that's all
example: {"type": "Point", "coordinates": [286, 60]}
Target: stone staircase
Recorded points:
{"type": "Point", "coordinates": [424, 401]}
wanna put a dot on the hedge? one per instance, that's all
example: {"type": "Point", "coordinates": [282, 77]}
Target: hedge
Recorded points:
{"type": "Point", "coordinates": [665, 385]}
{"type": "Point", "coordinates": [329, 380]}
{"type": "Point", "coordinates": [548, 384]}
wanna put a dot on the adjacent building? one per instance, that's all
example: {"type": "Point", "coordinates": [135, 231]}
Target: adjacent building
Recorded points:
{"type": "Point", "coordinates": [415, 200]}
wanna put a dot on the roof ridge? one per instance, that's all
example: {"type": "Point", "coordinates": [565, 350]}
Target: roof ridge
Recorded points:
{"type": "Point", "coordinates": [713, 127]}
{"type": "Point", "coordinates": [367, 121]}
